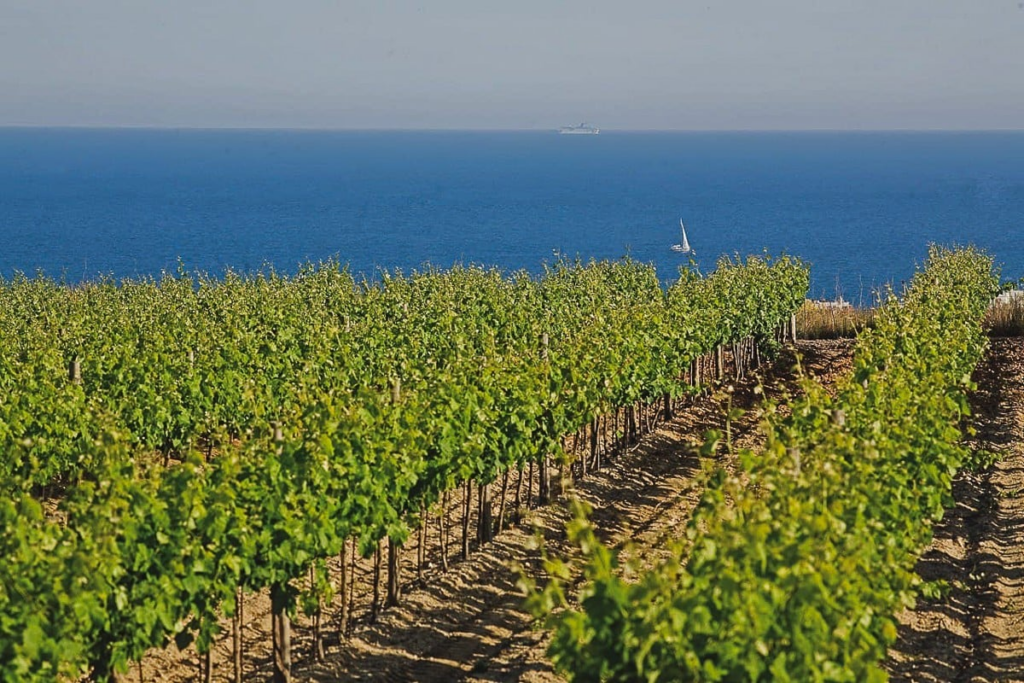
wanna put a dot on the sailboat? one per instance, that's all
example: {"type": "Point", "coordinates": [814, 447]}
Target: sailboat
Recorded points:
{"type": "Point", "coordinates": [684, 246]}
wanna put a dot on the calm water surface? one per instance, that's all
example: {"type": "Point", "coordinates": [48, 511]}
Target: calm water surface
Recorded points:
{"type": "Point", "coordinates": [860, 207]}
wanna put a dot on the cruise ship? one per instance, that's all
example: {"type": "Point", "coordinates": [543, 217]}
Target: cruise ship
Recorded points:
{"type": "Point", "coordinates": [582, 129]}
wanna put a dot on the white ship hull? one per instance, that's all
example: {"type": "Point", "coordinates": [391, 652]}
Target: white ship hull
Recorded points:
{"type": "Point", "coordinates": [582, 129]}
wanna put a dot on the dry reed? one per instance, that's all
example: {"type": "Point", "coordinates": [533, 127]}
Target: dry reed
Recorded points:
{"type": "Point", "coordinates": [1005, 317]}
{"type": "Point", "coordinates": [838, 319]}
{"type": "Point", "coordinates": [831, 320]}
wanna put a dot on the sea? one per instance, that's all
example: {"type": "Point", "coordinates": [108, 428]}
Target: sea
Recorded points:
{"type": "Point", "coordinates": [860, 207]}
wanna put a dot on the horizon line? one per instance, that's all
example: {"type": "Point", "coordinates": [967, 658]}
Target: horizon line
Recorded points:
{"type": "Point", "coordinates": [355, 129]}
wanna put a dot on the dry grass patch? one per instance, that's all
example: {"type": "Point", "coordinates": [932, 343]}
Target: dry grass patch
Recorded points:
{"type": "Point", "coordinates": [1005, 317]}
{"type": "Point", "coordinates": [831, 319]}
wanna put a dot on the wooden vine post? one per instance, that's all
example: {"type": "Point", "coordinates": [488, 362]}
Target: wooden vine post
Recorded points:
{"type": "Point", "coordinates": [615, 429]}
{"type": "Point", "coordinates": [342, 585]}
{"type": "Point", "coordinates": [236, 635]}
{"type": "Point", "coordinates": [318, 635]}
{"type": "Point", "coordinates": [487, 512]}
{"type": "Point", "coordinates": [282, 634]}
{"type": "Point", "coordinates": [354, 555]}
{"type": "Point", "coordinates": [207, 664]}
{"type": "Point", "coordinates": [467, 508]}
{"type": "Point", "coordinates": [529, 487]}
{"type": "Point", "coordinates": [580, 454]}
{"type": "Point", "coordinates": [442, 531]}
{"type": "Point", "coordinates": [375, 603]}
{"type": "Point", "coordinates": [281, 626]}
{"type": "Point", "coordinates": [421, 542]}
{"type": "Point", "coordinates": [544, 485]}
{"type": "Point", "coordinates": [501, 505]}
{"type": "Point", "coordinates": [75, 371]}
{"type": "Point", "coordinates": [517, 501]}
{"type": "Point", "coordinates": [394, 573]}
{"type": "Point", "coordinates": [394, 548]}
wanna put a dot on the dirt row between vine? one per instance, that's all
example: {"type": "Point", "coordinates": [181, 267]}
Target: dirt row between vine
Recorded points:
{"type": "Point", "coordinates": [975, 632]}
{"type": "Point", "coordinates": [468, 624]}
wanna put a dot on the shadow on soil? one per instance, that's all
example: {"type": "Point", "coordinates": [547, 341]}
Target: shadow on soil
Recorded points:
{"type": "Point", "coordinates": [946, 641]}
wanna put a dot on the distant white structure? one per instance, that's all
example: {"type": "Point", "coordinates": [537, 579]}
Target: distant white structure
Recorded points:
{"type": "Point", "coordinates": [1010, 297]}
{"type": "Point", "coordinates": [838, 304]}
{"type": "Point", "coordinates": [582, 129]}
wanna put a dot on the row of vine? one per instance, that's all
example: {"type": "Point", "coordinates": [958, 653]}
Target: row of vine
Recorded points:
{"type": "Point", "coordinates": [793, 567]}
{"type": "Point", "coordinates": [169, 446]}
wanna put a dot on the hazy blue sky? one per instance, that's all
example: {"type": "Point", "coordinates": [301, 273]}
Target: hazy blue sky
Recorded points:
{"type": "Point", "coordinates": [665, 64]}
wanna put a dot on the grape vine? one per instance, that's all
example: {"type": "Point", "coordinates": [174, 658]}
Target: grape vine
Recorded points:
{"type": "Point", "coordinates": [172, 444]}
{"type": "Point", "coordinates": [793, 567]}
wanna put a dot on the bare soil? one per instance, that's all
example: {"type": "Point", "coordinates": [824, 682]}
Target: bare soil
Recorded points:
{"type": "Point", "coordinates": [468, 623]}
{"type": "Point", "coordinates": [975, 632]}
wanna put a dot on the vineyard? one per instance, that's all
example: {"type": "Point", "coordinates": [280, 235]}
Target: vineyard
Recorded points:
{"type": "Point", "coordinates": [795, 566]}
{"type": "Point", "coordinates": [183, 455]}
{"type": "Point", "coordinates": [175, 446]}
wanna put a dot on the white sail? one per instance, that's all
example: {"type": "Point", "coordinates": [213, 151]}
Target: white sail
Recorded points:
{"type": "Point", "coordinates": [685, 243]}
{"type": "Point", "coordinates": [684, 246]}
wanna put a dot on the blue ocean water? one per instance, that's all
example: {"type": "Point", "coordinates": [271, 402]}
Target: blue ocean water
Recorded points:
{"type": "Point", "coordinates": [860, 207]}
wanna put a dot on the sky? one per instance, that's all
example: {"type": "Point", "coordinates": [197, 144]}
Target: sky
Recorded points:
{"type": "Point", "coordinates": [520, 64]}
